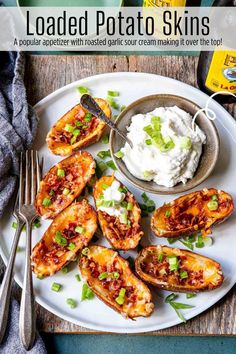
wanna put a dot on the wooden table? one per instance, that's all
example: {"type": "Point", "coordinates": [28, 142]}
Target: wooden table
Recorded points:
{"type": "Point", "coordinates": [45, 74]}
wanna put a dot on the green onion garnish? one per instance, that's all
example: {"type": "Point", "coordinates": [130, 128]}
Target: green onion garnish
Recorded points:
{"type": "Point", "coordinates": [71, 246]}
{"type": "Point", "coordinates": [71, 302]}
{"type": "Point", "coordinates": [190, 295]}
{"type": "Point", "coordinates": [177, 305]}
{"type": "Point", "coordinates": [124, 204]}
{"type": "Point", "coordinates": [79, 229]}
{"type": "Point", "coordinates": [168, 213]}
{"type": "Point", "coordinates": [214, 197]}
{"type": "Point", "coordinates": [173, 263]}
{"type": "Point", "coordinates": [100, 168]}
{"type": "Point", "coordinates": [103, 154]}
{"type": "Point", "coordinates": [51, 193]}
{"type": "Point", "coordinates": [129, 206]}
{"type": "Point", "coordinates": [86, 293]}
{"type": "Point", "coordinates": [212, 205]}
{"type": "Point", "coordinates": [183, 275]}
{"type": "Point", "coordinates": [69, 128]}
{"type": "Point", "coordinates": [85, 251]}
{"type": "Point", "coordinates": [60, 172]}
{"type": "Point", "coordinates": [88, 117]}
{"type": "Point", "coordinates": [103, 276]}
{"type": "Point", "coordinates": [172, 240]}
{"type": "Point", "coordinates": [76, 132]}
{"type": "Point", "coordinates": [113, 103]}
{"type": "Point", "coordinates": [66, 191]}
{"type": "Point", "coordinates": [105, 186]}
{"type": "Point", "coordinates": [147, 174]}
{"type": "Point", "coordinates": [199, 243]}
{"type": "Point", "coordinates": [56, 287]}
{"type": "Point", "coordinates": [113, 93]}
{"type": "Point", "coordinates": [121, 297]}
{"type": "Point", "coordinates": [145, 197]}
{"type": "Point", "coordinates": [73, 140]}
{"type": "Point", "coordinates": [119, 154]}
{"type": "Point", "coordinates": [59, 239]}
{"type": "Point", "coordinates": [115, 275]}
{"type": "Point", "coordinates": [77, 276]}
{"type": "Point", "coordinates": [160, 257]}
{"type": "Point", "coordinates": [64, 270]}
{"type": "Point", "coordinates": [186, 142]}
{"type": "Point", "coordinates": [105, 139]}
{"type": "Point", "coordinates": [111, 165]}
{"type": "Point", "coordinates": [46, 202]}
{"type": "Point", "coordinates": [14, 225]}
{"type": "Point", "coordinates": [36, 223]}
{"type": "Point", "coordinates": [122, 189]}
{"type": "Point", "coordinates": [124, 219]}
{"type": "Point", "coordinates": [79, 123]}
{"type": "Point", "coordinates": [148, 142]}
{"type": "Point", "coordinates": [82, 90]}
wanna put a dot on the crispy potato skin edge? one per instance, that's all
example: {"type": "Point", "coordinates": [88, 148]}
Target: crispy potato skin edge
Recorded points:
{"type": "Point", "coordinates": [151, 280]}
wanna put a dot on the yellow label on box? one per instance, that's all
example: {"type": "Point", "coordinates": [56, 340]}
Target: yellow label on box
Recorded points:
{"type": "Point", "coordinates": [164, 3]}
{"type": "Point", "coordinates": [222, 72]}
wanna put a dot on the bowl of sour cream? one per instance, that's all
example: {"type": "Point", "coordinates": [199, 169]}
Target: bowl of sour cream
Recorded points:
{"type": "Point", "coordinates": [170, 154]}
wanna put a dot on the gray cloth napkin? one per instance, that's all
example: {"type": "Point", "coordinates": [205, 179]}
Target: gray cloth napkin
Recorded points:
{"type": "Point", "coordinates": [18, 124]}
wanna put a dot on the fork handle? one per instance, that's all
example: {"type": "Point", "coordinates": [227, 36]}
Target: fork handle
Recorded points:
{"type": "Point", "coordinates": [27, 322]}
{"type": "Point", "coordinates": [5, 289]}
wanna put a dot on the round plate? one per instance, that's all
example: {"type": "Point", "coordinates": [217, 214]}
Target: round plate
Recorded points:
{"type": "Point", "coordinates": [94, 314]}
{"type": "Point", "coordinates": [147, 104]}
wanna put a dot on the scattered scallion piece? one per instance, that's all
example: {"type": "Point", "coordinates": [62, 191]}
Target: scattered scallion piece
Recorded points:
{"type": "Point", "coordinates": [105, 186]}
{"type": "Point", "coordinates": [160, 257]}
{"type": "Point", "coordinates": [88, 117]}
{"type": "Point", "coordinates": [177, 305]}
{"type": "Point", "coordinates": [86, 293]}
{"type": "Point", "coordinates": [148, 141]}
{"type": "Point", "coordinates": [168, 213]}
{"type": "Point", "coordinates": [173, 263]}
{"type": "Point", "coordinates": [121, 297]}
{"type": "Point", "coordinates": [64, 270]}
{"type": "Point", "coordinates": [112, 102]}
{"type": "Point", "coordinates": [103, 276]}
{"type": "Point", "coordinates": [105, 139]}
{"type": "Point", "coordinates": [100, 168]}
{"type": "Point", "coordinates": [66, 191]}
{"type": "Point", "coordinates": [82, 90]}
{"type": "Point", "coordinates": [214, 197]}
{"type": "Point", "coordinates": [122, 189]}
{"type": "Point", "coordinates": [69, 128]}
{"type": "Point", "coordinates": [190, 295]}
{"type": "Point", "coordinates": [212, 205]}
{"type": "Point", "coordinates": [85, 251]}
{"type": "Point", "coordinates": [14, 225]}
{"type": "Point", "coordinates": [171, 240]}
{"type": "Point", "coordinates": [186, 142]}
{"type": "Point", "coordinates": [147, 174]}
{"type": "Point", "coordinates": [199, 243]}
{"type": "Point", "coordinates": [113, 93]}
{"type": "Point", "coordinates": [51, 193]}
{"type": "Point", "coordinates": [46, 202]}
{"type": "Point", "coordinates": [56, 287]}
{"type": "Point", "coordinates": [60, 172]}
{"type": "Point", "coordinates": [59, 239]}
{"type": "Point", "coordinates": [103, 154]}
{"type": "Point", "coordinates": [77, 276]}
{"type": "Point", "coordinates": [79, 229]}
{"type": "Point", "coordinates": [111, 165]}
{"type": "Point", "coordinates": [36, 223]}
{"type": "Point", "coordinates": [79, 123]}
{"type": "Point", "coordinates": [73, 140]}
{"type": "Point", "coordinates": [71, 302]}
{"type": "Point", "coordinates": [119, 154]}
{"type": "Point", "coordinates": [183, 275]}
{"type": "Point", "coordinates": [115, 275]}
{"type": "Point", "coordinates": [71, 246]}
{"type": "Point", "coordinates": [130, 206]}
{"type": "Point", "coordinates": [124, 219]}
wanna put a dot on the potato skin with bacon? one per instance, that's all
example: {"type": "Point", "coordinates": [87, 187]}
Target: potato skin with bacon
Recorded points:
{"type": "Point", "coordinates": [69, 232]}
{"type": "Point", "coordinates": [88, 131]}
{"type": "Point", "coordinates": [63, 183]}
{"type": "Point", "coordinates": [195, 272]}
{"type": "Point", "coordinates": [101, 260]}
{"type": "Point", "coordinates": [120, 236]}
{"type": "Point", "coordinates": [192, 212]}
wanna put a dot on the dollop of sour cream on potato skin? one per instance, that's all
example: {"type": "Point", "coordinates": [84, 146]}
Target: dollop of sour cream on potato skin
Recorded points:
{"type": "Point", "coordinates": [166, 168]}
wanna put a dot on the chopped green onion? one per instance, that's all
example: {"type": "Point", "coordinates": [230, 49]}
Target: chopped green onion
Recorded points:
{"type": "Point", "coordinates": [186, 143]}
{"type": "Point", "coordinates": [168, 213]}
{"type": "Point", "coordinates": [183, 275]}
{"type": "Point", "coordinates": [145, 197]}
{"type": "Point", "coordinates": [79, 123]}
{"type": "Point", "coordinates": [160, 257]}
{"type": "Point", "coordinates": [56, 287]}
{"type": "Point", "coordinates": [111, 165]}
{"type": "Point", "coordinates": [82, 90]}
{"type": "Point", "coordinates": [76, 132]}
{"type": "Point", "coordinates": [69, 128]}
{"type": "Point", "coordinates": [190, 295]}
{"type": "Point", "coordinates": [113, 93]}
{"type": "Point", "coordinates": [71, 246]}
{"type": "Point", "coordinates": [199, 243]}
{"type": "Point", "coordinates": [85, 251]}
{"type": "Point", "coordinates": [124, 204]}
{"type": "Point", "coordinates": [214, 198]}
{"type": "Point", "coordinates": [60, 172]}
{"type": "Point", "coordinates": [46, 202]}
{"type": "Point", "coordinates": [122, 189]}
{"type": "Point", "coordinates": [103, 276]}
{"type": "Point", "coordinates": [104, 154]}
{"type": "Point", "coordinates": [105, 139]}
{"type": "Point", "coordinates": [66, 191]}
{"type": "Point", "coordinates": [105, 186]}
{"type": "Point", "coordinates": [77, 276]}
{"type": "Point", "coordinates": [108, 203]}
{"type": "Point", "coordinates": [177, 305]}
{"type": "Point", "coordinates": [119, 154]}
{"type": "Point", "coordinates": [147, 174]}
{"type": "Point", "coordinates": [115, 275]}
{"type": "Point", "coordinates": [207, 241]}
{"type": "Point", "coordinates": [156, 122]}
{"type": "Point", "coordinates": [36, 223]}
{"type": "Point", "coordinates": [14, 225]}
{"type": "Point", "coordinates": [64, 270]}
{"type": "Point", "coordinates": [121, 297]}
{"type": "Point", "coordinates": [113, 103]}
{"type": "Point", "coordinates": [170, 298]}
{"type": "Point", "coordinates": [51, 193]}
{"type": "Point", "coordinates": [172, 240]}
{"type": "Point", "coordinates": [88, 117]}
{"type": "Point", "coordinates": [124, 219]}
{"type": "Point", "coordinates": [148, 142]}
{"type": "Point", "coordinates": [173, 263]}
{"type": "Point", "coordinates": [73, 140]}
{"type": "Point", "coordinates": [86, 293]}
{"type": "Point", "coordinates": [79, 229]}
{"type": "Point", "coordinates": [212, 205]}
{"type": "Point", "coordinates": [59, 239]}
{"type": "Point", "coordinates": [100, 168]}
{"type": "Point", "coordinates": [71, 302]}
{"type": "Point", "coordinates": [130, 206]}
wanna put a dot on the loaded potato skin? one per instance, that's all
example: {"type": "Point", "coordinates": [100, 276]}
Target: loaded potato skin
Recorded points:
{"type": "Point", "coordinates": [192, 212]}
{"type": "Point", "coordinates": [111, 279]}
{"type": "Point", "coordinates": [63, 183]}
{"type": "Point", "coordinates": [76, 129]}
{"type": "Point", "coordinates": [69, 232]}
{"type": "Point", "coordinates": [178, 270]}
{"type": "Point", "coordinates": [123, 231]}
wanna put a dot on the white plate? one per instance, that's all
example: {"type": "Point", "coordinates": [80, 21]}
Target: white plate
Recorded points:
{"type": "Point", "coordinates": [94, 314]}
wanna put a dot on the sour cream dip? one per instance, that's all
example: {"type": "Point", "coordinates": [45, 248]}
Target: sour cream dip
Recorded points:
{"type": "Point", "coordinates": [165, 147]}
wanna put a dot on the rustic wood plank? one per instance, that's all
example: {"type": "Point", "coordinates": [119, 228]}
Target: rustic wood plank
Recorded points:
{"type": "Point", "coordinates": [45, 74]}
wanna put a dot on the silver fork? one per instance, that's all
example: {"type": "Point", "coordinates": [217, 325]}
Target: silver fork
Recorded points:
{"type": "Point", "coordinates": [28, 186]}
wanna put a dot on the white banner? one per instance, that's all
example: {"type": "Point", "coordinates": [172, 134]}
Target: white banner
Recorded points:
{"type": "Point", "coordinates": [117, 29]}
